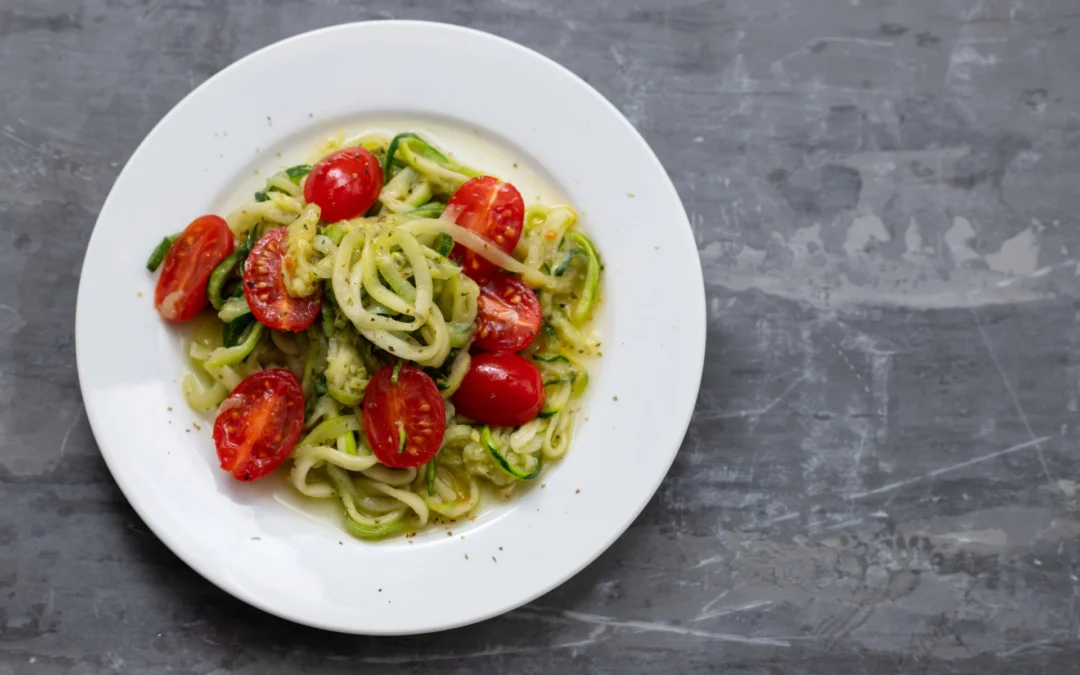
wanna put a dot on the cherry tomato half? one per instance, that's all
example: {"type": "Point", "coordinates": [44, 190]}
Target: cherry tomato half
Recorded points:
{"type": "Point", "coordinates": [181, 289]}
{"type": "Point", "coordinates": [259, 423]}
{"type": "Point", "coordinates": [501, 389]}
{"type": "Point", "coordinates": [494, 210]}
{"type": "Point", "coordinates": [404, 417]}
{"type": "Point", "coordinates": [344, 184]}
{"type": "Point", "coordinates": [265, 292]}
{"type": "Point", "coordinates": [508, 315]}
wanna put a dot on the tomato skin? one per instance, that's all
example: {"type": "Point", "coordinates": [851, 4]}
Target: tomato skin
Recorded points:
{"type": "Point", "coordinates": [501, 389]}
{"type": "Point", "coordinates": [344, 184]}
{"type": "Point", "coordinates": [494, 210]}
{"type": "Point", "coordinates": [264, 287]}
{"type": "Point", "coordinates": [181, 289]}
{"type": "Point", "coordinates": [258, 425]}
{"type": "Point", "coordinates": [508, 315]}
{"type": "Point", "coordinates": [414, 405]}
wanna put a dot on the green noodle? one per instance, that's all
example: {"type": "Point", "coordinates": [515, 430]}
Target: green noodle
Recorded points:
{"type": "Point", "coordinates": [390, 294]}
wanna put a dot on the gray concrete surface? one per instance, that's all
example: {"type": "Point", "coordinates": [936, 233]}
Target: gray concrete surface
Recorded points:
{"type": "Point", "coordinates": [881, 475]}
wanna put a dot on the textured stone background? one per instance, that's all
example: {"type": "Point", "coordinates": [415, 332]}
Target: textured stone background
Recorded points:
{"type": "Point", "coordinates": [881, 473]}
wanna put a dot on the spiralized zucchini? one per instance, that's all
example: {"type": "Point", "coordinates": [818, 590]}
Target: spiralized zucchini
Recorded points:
{"type": "Point", "coordinates": [390, 292]}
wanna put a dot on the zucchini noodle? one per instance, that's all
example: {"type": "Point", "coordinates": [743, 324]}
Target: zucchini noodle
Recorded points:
{"type": "Point", "coordinates": [390, 291]}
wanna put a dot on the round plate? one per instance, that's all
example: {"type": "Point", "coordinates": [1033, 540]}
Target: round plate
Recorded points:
{"type": "Point", "coordinates": [259, 545]}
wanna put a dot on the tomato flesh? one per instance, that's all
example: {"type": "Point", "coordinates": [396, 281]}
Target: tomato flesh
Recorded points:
{"type": "Point", "coordinates": [264, 287]}
{"type": "Point", "coordinates": [494, 210]}
{"type": "Point", "coordinates": [404, 420]}
{"type": "Point", "coordinates": [501, 389]}
{"type": "Point", "coordinates": [344, 184]}
{"type": "Point", "coordinates": [181, 289]}
{"type": "Point", "coordinates": [258, 425]}
{"type": "Point", "coordinates": [508, 315]}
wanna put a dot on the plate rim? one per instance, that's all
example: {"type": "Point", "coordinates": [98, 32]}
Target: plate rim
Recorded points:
{"type": "Point", "coordinates": [695, 328]}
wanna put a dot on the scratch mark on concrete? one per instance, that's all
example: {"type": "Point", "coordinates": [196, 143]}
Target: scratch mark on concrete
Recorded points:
{"type": "Point", "coordinates": [6, 132]}
{"type": "Point", "coordinates": [1028, 646]}
{"type": "Point", "coordinates": [857, 41]}
{"type": "Point", "coordinates": [785, 517]}
{"type": "Point", "coordinates": [781, 397]}
{"type": "Point", "coordinates": [733, 609]}
{"type": "Point", "coordinates": [493, 651]}
{"type": "Point", "coordinates": [1041, 272]}
{"type": "Point", "coordinates": [937, 472]}
{"type": "Point", "coordinates": [859, 452]}
{"type": "Point", "coordinates": [712, 560]}
{"type": "Point", "coordinates": [841, 525]}
{"type": "Point", "coordinates": [758, 412]}
{"type": "Point", "coordinates": [565, 616]}
{"type": "Point", "coordinates": [840, 625]}
{"type": "Point", "coordinates": [710, 604]}
{"type": "Point", "coordinates": [1012, 394]}
{"type": "Point", "coordinates": [17, 320]}
{"type": "Point", "coordinates": [71, 427]}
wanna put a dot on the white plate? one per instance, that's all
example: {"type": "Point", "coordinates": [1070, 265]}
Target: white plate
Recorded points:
{"type": "Point", "coordinates": [248, 540]}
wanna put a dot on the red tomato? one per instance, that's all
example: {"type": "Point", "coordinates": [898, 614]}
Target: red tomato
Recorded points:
{"type": "Point", "coordinates": [494, 210]}
{"type": "Point", "coordinates": [404, 420]}
{"type": "Point", "coordinates": [258, 425]}
{"type": "Point", "coordinates": [508, 315]}
{"type": "Point", "coordinates": [181, 289]}
{"type": "Point", "coordinates": [264, 289]}
{"type": "Point", "coordinates": [501, 389]}
{"type": "Point", "coordinates": [344, 184]}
